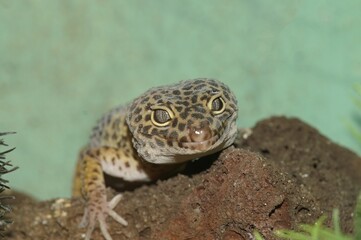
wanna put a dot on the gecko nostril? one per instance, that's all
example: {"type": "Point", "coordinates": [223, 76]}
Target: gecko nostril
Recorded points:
{"type": "Point", "coordinates": [199, 134]}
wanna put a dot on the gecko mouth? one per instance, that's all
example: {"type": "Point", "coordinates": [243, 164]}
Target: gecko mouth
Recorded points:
{"type": "Point", "coordinates": [200, 145]}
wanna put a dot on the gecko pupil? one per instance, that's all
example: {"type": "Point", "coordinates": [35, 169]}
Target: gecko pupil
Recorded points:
{"type": "Point", "coordinates": [161, 116]}
{"type": "Point", "coordinates": [217, 104]}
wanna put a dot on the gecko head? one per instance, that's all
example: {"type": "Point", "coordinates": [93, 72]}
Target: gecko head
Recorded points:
{"type": "Point", "coordinates": [183, 121]}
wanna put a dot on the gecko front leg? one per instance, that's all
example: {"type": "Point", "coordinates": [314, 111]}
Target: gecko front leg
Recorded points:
{"type": "Point", "coordinates": [89, 183]}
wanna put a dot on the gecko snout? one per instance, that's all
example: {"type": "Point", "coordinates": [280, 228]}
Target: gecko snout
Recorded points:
{"type": "Point", "coordinates": [200, 134]}
{"type": "Point", "coordinates": [200, 138]}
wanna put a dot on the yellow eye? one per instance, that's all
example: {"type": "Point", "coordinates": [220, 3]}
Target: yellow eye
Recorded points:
{"type": "Point", "coordinates": [161, 116]}
{"type": "Point", "coordinates": [216, 104]}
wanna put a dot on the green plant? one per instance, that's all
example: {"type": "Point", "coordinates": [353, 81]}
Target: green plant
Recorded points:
{"type": "Point", "coordinates": [5, 167]}
{"type": "Point", "coordinates": [318, 231]}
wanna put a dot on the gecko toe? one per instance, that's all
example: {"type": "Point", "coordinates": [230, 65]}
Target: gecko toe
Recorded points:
{"type": "Point", "coordinates": [117, 217]}
{"type": "Point", "coordinates": [115, 200]}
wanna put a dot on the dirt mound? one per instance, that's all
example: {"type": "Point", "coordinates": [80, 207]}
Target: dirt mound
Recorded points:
{"type": "Point", "coordinates": [285, 173]}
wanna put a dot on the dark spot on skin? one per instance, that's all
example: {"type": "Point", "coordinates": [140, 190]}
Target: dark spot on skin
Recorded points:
{"type": "Point", "coordinates": [183, 139]}
{"type": "Point", "coordinates": [210, 120]}
{"type": "Point", "coordinates": [173, 135]}
{"type": "Point", "coordinates": [127, 164]}
{"type": "Point", "coordinates": [163, 132]}
{"type": "Point", "coordinates": [147, 117]}
{"type": "Point", "coordinates": [113, 160]}
{"type": "Point", "coordinates": [138, 118]}
{"type": "Point", "coordinates": [176, 92]}
{"type": "Point", "coordinates": [199, 109]}
{"type": "Point", "coordinates": [184, 103]}
{"type": "Point", "coordinates": [139, 168]}
{"type": "Point", "coordinates": [156, 97]}
{"type": "Point", "coordinates": [212, 83]}
{"type": "Point", "coordinates": [181, 127]}
{"type": "Point", "coordinates": [119, 168]}
{"type": "Point", "coordinates": [94, 178]}
{"type": "Point", "coordinates": [144, 100]}
{"type": "Point", "coordinates": [137, 110]}
{"type": "Point", "coordinates": [116, 123]}
{"type": "Point", "coordinates": [184, 115]}
{"type": "Point", "coordinates": [200, 86]}
{"type": "Point", "coordinates": [159, 142]}
{"type": "Point", "coordinates": [197, 115]}
{"type": "Point", "coordinates": [204, 97]}
{"type": "Point", "coordinates": [106, 148]}
{"type": "Point", "coordinates": [152, 145]}
{"type": "Point", "coordinates": [117, 155]}
{"type": "Point", "coordinates": [187, 86]}
{"type": "Point", "coordinates": [174, 123]}
{"type": "Point", "coordinates": [96, 171]}
{"type": "Point", "coordinates": [149, 136]}
{"type": "Point", "coordinates": [186, 93]}
{"type": "Point", "coordinates": [226, 95]}
{"type": "Point", "coordinates": [154, 131]}
{"type": "Point", "coordinates": [198, 81]}
{"type": "Point", "coordinates": [194, 99]}
{"type": "Point", "coordinates": [170, 143]}
{"type": "Point", "coordinates": [146, 129]}
{"type": "Point", "coordinates": [179, 108]}
{"type": "Point", "coordinates": [169, 95]}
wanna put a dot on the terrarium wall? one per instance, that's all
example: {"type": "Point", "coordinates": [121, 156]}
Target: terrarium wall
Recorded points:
{"type": "Point", "coordinates": [64, 63]}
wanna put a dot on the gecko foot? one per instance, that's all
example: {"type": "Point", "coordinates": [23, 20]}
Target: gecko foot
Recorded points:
{"type": "Point", "coordinates": [97, 211]}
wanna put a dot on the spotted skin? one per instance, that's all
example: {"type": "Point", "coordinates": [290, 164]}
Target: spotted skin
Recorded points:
{"type": "Point", "coordinates": [149, 138]}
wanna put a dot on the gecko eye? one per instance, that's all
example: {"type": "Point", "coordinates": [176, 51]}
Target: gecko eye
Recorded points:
{"type": "Point", "coordinates": [216, 104]}
{"type": "Point", "coordinates": [161, 116]}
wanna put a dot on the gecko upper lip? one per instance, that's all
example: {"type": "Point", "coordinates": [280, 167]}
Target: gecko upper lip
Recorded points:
{"type": "Point", "coordinates": [201, 145]}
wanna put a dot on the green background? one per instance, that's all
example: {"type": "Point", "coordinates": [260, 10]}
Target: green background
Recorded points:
{"type": "Point", "coordinates": [64, 63]}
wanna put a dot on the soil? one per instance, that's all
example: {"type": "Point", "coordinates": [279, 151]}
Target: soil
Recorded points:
{"type": "Point", "coordinates": [284, 174]}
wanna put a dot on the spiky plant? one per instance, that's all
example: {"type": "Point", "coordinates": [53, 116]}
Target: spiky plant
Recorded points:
{"type": "Point", "coordinates": [5, 167]}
